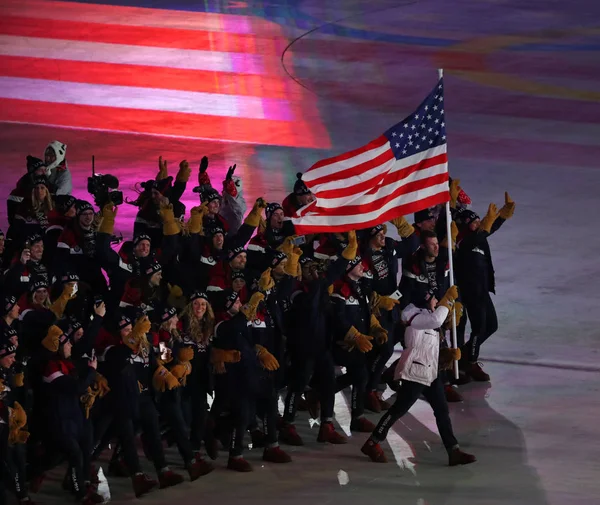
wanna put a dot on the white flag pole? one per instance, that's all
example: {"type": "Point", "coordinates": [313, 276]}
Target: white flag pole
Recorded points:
{"type": "Point", "coordinates": [450, 261]}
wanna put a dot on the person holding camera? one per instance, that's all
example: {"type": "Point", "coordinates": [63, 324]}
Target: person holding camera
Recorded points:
{"type": "Point", "coordinates": [30, 265]}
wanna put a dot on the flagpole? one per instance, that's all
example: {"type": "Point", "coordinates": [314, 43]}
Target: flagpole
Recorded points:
{"type": "Point", "coordinates": [450, 261]}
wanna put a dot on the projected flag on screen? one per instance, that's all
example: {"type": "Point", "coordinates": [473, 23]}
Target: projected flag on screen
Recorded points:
{"type": "Point", "coordinates": [151, 71]}
{"type": "Point", "coordinates": [402, 171]}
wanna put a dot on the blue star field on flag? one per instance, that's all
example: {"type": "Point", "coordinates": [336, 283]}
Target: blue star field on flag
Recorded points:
{"type": "Point", "coordinates": [423, 129]}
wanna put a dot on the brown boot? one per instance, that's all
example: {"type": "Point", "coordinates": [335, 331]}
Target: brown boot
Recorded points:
{"type": "Point", "coordinates": [168, 478]}
{"type": "Point", "coordinates": [385, 405]}
{"type": "Point", "coordinates": [327, 433]}
{"type": "Point", "coordinates": [374, 451]}
{"type": "Point", "coordinates": [288, 435]}
{"type": "Point", "coordinates": [372, 402]}
{"type": "Point", "coordinates": [199, 468]}
{"type": "Point", "coordinates": [142, 484]}
{"type": "Point", "coordinates": [361, 425]}
{"type": "Point", "coordinates": [276, 455]}
{"type": "Point", "coordinates": [476, 373]}
{"type": "Point", "coordinates": [452, 395]}
{"type": "Point", "coordinates": [239, 464]}
{"type": "Point", "coordinates": [457, 457]}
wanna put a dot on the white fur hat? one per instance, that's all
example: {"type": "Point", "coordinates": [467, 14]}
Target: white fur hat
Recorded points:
{"type": "Point", "coordinates": [61, 151]}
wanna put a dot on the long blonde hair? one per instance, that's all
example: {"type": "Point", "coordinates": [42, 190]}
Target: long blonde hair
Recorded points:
{"type": "Point", "coordinates": [199, 330]}
{"type": "Point", "coordinates": [44, 205]}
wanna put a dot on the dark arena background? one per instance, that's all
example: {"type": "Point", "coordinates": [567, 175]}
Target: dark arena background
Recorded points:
{"type": "Point", "coordinates": [275, 86]}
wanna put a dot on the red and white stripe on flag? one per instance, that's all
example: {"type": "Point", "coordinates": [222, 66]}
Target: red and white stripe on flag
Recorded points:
{"type": "Point", "coordinates": [160, 72]}
{"type": "Point", "coordinates": [402, 171]}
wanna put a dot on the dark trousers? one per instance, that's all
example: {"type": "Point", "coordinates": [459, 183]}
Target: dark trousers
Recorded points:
{"type": "Point", "coordinates": [484, 323]}
{"type": "Point", "coordinates": [356, 374]}
{"type": "Point", "coordinates": [378, 357]}
{"type": "Point", "coordinates": [195, 410]}
{"type": "Point", "coordinates": [322, 370]}
{"type": "Point", "coordinates": [77, 448]}
{"type": "Point", "coordinates": [240, 410]}
{"type": "Point", "coordinates": [267, 410]}
{"type": "Point", "coordinates": [15, 462]}
{"type": "Point", "coordinates": [408, 394]}
{"type": "Point", "coordinates": [149, 424]}
{"type": "Point", "coordinates": [172, 412]}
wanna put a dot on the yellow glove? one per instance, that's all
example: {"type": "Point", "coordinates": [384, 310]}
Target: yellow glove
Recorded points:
{"type": "Point", "coordinates": [453, 235]}
{"type": "Point", "coordinates": [377, 331]}
{"type": "Point", "coordinates": [184, 172]}
{"type": "Point", "coordinates": [175, 291]}
{"type": "Point", "coordinates": [219, 368]}
{"type": "Point", "coordinates": [507, 211]}
{"type": "Point", "coordinates": [162, 169]}
{"type": "Point", "coordinates": [181, 371]}
{"type": "Point", "coordinates": [356, 339]}
{"type": "Point", "coordinates": [449, 298]}
{"type": "Point", "coordinates": [490, 217]}
{"type": "Point", "coordinates": [101, 385]}
{"type": "Point", "coordinates": [255, 215]}
{"type": "Point", "coordinates": [17, 419]}
{"type": "Point", "coordinates": [454, 192]}
{"type": "Point", "coordinates": [87, 400]}
{"type": "Point", "coordinates": [447, 358]}
{"type": "Point", "coordinates": [19, 379]}
{"type": "Point", "coordinates": [141, 327]}
{"type": "Point", "coordinates": [60, 304]}
{"type": "Point", "coordinates": [266, 282]}
{"type": "Point", "coordinates": [137, 337]}
{"type": "Point", "coordinates": [288, 245]}
{"type": "Point", "coordinates": [50, 341]}
{"type": "Point", "coordinates": [249, 310]}
{"type": "Point", "coordinates": [267, 360]}
{"type": "Point", "coordinates": [379, 303]}
{"type": "Point", "coordinates": [459, 310]}
{"type": "Point", "coordinates": [170, 225]}
{"type": "Point", "coordinates": [351, 249]}
{"type": "Point", "coordinates": [185, 354]}
{"type": "Point", "coordinates": [195, 224]}
{"type": "Point", "coordinates": [292, 267]}
{"type": "Point", "coordinates": [404, 228]}
{"type": "Point", "coordinates": [262, 226]}
{"type": "Point", "coordinates": [109, 213]}
{"type": "Point", "coordinates": [218, 358]}
{"type": "Point", "coordinates": [224, 355]}
{"type": "Point", "coordinates": [164, 380]}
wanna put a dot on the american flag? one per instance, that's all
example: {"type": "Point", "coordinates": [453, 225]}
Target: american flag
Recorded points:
{"type": "Point", "coordinates": [190, 75]}
{"type": "Point", "coordinates": [402, 171]}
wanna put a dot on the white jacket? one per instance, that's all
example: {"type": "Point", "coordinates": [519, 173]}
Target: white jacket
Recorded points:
{"type": "Point", "coordinates": [419, 360]}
